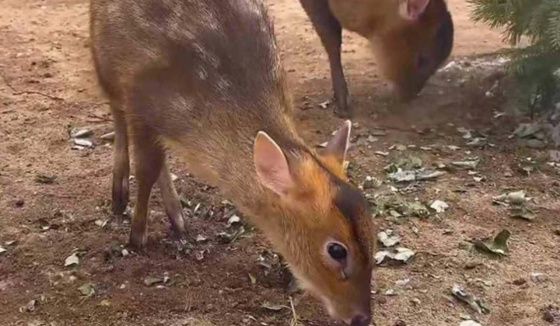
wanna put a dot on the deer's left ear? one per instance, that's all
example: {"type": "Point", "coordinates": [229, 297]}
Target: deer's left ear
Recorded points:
{"type": "Point", "coordinates": [271, 165]}
{"type": "Point", "coordinates": [338, 145]}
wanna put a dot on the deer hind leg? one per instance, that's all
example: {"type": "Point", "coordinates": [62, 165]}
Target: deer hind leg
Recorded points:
{"type": "Point", "coordinates": [121, 162]}
{"type": "Point", "coordinates": [171, 201]}
{"type": "Point", "coordinates": [149, 158]}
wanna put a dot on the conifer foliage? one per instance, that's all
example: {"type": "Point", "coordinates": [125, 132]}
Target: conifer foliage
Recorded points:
{"type": "Point", "coordinates": [537, 65]}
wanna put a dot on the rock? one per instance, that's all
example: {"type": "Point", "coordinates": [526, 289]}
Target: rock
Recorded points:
{"type": "Point", "coordinates": [469, 323]}
{"type": "Point", "coordinates": [20, 203]}
{"type": "Point", "coordinates": [400, 323]}
{"type": "Point", "coordinates": [200, 238]}
{"type": "Point", "coordinates": [31, 306]}
{"type": "Point", "coordinates": [551, 314]}
{"type": "Point", "coordinates": [371, 183]}
{"type": "Point", "coordinates": [439, 206]}
{"type": "Point", "coordinates": [234, 220]}
{"type": "Point", "coordinates": [83, 142]}
{"type": "Point", "coordinates": [538, 278]}
{"type": "Point", "coordinates": [81, 133]}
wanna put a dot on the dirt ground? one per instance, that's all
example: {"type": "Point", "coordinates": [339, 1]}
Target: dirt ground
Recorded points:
{"type": "Point", "coordinates": [48, 88]}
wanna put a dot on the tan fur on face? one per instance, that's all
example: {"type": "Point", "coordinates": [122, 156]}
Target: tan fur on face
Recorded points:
{"type": "Point", "coordinates": [314, 219]}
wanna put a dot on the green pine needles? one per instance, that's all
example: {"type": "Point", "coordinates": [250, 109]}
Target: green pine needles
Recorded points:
{"type": "Point", "coordinates": [537, 65]}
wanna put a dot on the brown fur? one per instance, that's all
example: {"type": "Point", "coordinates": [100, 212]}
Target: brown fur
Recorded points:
{"type": "Point", "coordinates": [202, 78]}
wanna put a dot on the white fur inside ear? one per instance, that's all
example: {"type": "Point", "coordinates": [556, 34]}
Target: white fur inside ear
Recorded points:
{"type": "Point", "coordinates": [338, 145]}
{"type": "Point", "coordinates": [412, 9]}
{"type": "Point", "coordinates": [271, 165]}
{"type": "Point", "coordinates": [348, 126]}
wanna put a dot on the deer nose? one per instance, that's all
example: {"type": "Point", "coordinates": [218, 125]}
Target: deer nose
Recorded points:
{"type": "Point", "coordinates": [361, 320]}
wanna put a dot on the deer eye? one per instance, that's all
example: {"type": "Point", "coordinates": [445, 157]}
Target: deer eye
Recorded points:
{"type": "Point", "coordinates": [337, 251]}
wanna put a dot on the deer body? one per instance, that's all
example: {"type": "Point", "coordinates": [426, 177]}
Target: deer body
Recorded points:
{"type": "Point", "coordinates": [410, 39]}
{"type": "Point", "coordinates": [202, 78]}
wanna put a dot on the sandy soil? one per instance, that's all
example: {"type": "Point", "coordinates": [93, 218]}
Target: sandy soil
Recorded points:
{"type": "Point", "coordinates": [48, 88]}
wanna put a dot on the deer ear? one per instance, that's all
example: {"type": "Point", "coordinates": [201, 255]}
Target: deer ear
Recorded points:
{"type": "Point", "coordinates": [271, 165]}
{"type": "Point", "coordinates": [412, 9]}
{"type": "Point", "coordinates": [338, 145]}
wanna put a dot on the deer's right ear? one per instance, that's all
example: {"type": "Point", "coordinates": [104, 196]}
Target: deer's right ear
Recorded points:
{"type": "Point", "coordinates": [412, 9]}
{"type": "Point", "coordinates": [271, 165]}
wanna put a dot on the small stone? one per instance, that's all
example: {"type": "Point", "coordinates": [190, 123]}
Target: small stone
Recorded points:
{"type": "Point", "coordinates": [439, 206]}
{"type": "Point", "coordinates": [538, 277]}
{"type": "Point", "coordinates": [378, 132]}
{"type": "Point", "coordinates": [234, 220]}
{"type": "Point", "coordinates": [400, 323]}
{"type": "Point", "coordinates": [416, 301]}
{"type": "Point", "coordinates": [469, 323]}
{"type": "Point", "coordinates": [150, 280]}
{"type": "Point", "coordinates": [200, 238]}
{"type": "Point", "coordinates": [199, 255]}
{"type": "Point", "coordinates": [551, 314]}
{"type": "Point", "coordinates": [20, 203]}
{"type": "Point", "coordinates": [31, 306]}
{"type": "Point", "coordinates": [402, 283]}
{"type": "Point", "coordinates": [371, 182]}
{"type": "Point", "coordinates": [83, 142]}
{"type": "Point", "coordinates": [81, 133]}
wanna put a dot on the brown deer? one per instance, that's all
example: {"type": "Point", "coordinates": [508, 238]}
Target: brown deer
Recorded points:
{"type": "Point", "coordinates": [410, 39]}
{"type": "Point", "coordinates": [203, 79]}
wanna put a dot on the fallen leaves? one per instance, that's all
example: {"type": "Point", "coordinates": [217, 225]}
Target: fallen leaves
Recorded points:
{"type": "Point", "coordinates": [45, 179]}
{"type": "Point", "coordinates": [388, 238]}
{"type": "Point", "coordinates": [398, 255]}
{"type": "Point", "coordinates": [439, 206]}
{"type": "Point", "coordinates": [496, 246]}
{"type": "Point", "coordinates": [516, 202]}
{"type": "Point", "coordinates": [476, 304]}
{"type": "Point", "coordinates": [72, 260]}
{"type": "Point", "coordinates": [87, 289]}
{"type": "Point", "coordinates": [154, 280]}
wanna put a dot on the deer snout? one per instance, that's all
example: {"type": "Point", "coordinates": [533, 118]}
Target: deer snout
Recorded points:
{"type": "Point", "coordinates": [360, 320]}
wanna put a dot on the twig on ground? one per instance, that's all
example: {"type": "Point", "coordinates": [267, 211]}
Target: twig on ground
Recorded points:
{"type": "Point", "coordinates": [27, 92]}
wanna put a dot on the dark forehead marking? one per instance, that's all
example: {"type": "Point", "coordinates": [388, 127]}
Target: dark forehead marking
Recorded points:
{"type": "Point", "coordinates": [349, 201]}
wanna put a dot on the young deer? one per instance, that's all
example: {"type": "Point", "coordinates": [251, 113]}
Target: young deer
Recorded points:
{"type": "Point", "coordinates": [410, 39]}
{"type": "Point", "coordinates": [203, 78]}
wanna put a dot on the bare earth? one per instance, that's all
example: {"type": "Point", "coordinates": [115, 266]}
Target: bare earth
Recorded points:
{"type": "Point", "coordinates": [48, 87]}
